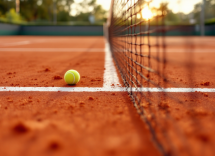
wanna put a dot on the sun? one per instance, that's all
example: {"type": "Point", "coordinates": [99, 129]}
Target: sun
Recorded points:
{"type": "Point", "coordinates": [146, 13]}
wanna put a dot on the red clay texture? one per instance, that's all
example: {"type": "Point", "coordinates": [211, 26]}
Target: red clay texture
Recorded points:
{"type": "Point", "coordinates": [42, 123]}
{"type": "Point", "coordinates": [46, 69]}
{"type": "Point", "coordinates": [187, 64]}
{"type": "Point", "coordinates": [183, 122]}
{"type": "Point", "coordinates": [104, 123]}
{"type": "Point", "coordinates": [51, 42]}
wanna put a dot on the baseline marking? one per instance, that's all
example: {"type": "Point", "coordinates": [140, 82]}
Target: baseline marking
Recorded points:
{"type": "Point", "coordinates": [102, 89]}
{"type": "Point", "coordinates": [16, 43]}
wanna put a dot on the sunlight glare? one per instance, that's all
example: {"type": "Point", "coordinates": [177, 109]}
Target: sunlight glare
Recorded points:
{"type": "Point", "coordinates": [146, 13]}
{"type": "Point", "coordinates": [138, 16]}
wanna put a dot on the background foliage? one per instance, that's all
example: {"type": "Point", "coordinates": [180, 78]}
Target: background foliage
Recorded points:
{"type": "Point", "coordinates": [69, 12]}
{"type": "Point", "coordinates": [47, 11]}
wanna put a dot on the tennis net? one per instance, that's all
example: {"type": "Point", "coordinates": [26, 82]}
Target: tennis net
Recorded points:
{"type": "Point", "coordinates": [138, 42]}
{"type": "Point", "coordinates": [135, 51]}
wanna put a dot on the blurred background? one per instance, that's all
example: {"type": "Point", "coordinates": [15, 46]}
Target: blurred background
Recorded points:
{"type": "Point", "coordinates": [67, 12]}
{"type": "Point", "coordinates": [95, 12]}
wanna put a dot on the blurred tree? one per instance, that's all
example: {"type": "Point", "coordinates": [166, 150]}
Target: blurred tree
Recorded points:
{"type": "Point", "coordinates": [209, 11]}
{"type": "Point", "coordinates": [3, 6]}
{"type": "Point", "coordinates": [12, 16]}
{"type": "Point", "coordinates": [29, 9]}
{"type": "Point", "coordinates": [100, 13]}
{"type": "Point", "coordinates": [63, 16]}
{"type": "Point", "coordinates": [87, 8]}
{"type": "Point", "coordinates": [44, 10]}
{"type": "Point", "coordinates": [63, 10]}
{"type": "Point", "coordinates": [67, 5]}
{"type": "Point", "coordinates": [172, 18]}
{"type": "Point", "coordinates": [6, 5]}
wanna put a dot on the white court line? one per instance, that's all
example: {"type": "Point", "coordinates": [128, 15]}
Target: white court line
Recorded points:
{"type": "Point", "coordinates": [110, 75]}
{"type": "Point", "coordinates": [16, 43]}
{"type": "Point", "coordinates": [52, 50]}
{"type": "Point", "coordinates": [102, 89]}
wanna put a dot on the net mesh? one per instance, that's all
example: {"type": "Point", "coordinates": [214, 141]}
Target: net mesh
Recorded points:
{"type": "Point", "coordinates": [138, 55]}
{"type": "Point", "coordinates": [139, 47]}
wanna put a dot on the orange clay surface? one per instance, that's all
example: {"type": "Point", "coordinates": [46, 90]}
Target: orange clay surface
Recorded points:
{"type": "Point", "coordinates": [47, 69]}
{"type": "Point", "coordinates": [101, 123]}
{"type": "Point", "coordinates": [190, 62]}
{"type": "Point", "coordinates": [184, 70]}
{"type": "Point", "coordinates": [39, 123]}
{"type": "Point", "coordinates": [184, 122]}
{"type": "Point", "coordinates": [194, 66]}
{"type": "Point", "coordinates": [80, 124]}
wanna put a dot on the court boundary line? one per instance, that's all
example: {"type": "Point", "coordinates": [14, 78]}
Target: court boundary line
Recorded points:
{"type": "Point", "coordinates": [104, 89]}
{"type": "Point", "coordinates": [110, 76]}
{"type": "Point", "coordinates": [11, 44]}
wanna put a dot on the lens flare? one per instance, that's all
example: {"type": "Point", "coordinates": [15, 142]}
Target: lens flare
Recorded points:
{"type": "Point", "coordinates": [146, 13]}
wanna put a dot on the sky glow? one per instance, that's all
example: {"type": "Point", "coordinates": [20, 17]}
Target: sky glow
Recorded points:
{"type": "Point", "coordinates": [185, 6]}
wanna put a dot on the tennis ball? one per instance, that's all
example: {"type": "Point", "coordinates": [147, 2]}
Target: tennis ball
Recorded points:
{"type": "Point", "coordinates": [71, 77]}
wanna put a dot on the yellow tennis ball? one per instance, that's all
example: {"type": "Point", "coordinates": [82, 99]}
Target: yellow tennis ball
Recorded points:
{"type": "Point", "coordinates": [72, 77]}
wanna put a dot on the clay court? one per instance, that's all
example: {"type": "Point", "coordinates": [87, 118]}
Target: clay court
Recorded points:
{"type": "Point", "coordinates": [42, 115]}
